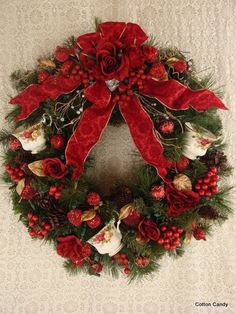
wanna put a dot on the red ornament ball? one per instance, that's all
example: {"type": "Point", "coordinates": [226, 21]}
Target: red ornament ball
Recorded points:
{"type": "Point", "coordinates": [14, 144]}
{"type": "Point", "coordinates": [150, 53]}
{"type": "Point", "coordinates": [133, 219]}
{"type": "Point", "coordinates": [94, 222]}
{"type": "Point", "coordinates": [199, 234]}
{"type": "Point", "coordinates": [74, 217]}
{"type": "Point", "coordinates": [42, 76]}
{"type": "Point", "coordinates": [93, 199]}
{"type": "Point", "coordinates": [157, 192]}
{"type": "Point", "coordinates": [166, 127]}
{"type": "Point", "coordinates": [57, 141]}
{"type": "Point", "coordinates": [180, 66]}
{"type": "Point", "coordinates": [62, 54]}
{"type": "Point", "coordinates": [158, 70]}
{"type": "Point", "coordinates": [182, 164]}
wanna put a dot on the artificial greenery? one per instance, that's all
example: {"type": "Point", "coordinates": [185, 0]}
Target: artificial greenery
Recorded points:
{"type": "Point", "coordinates": [74, 193]}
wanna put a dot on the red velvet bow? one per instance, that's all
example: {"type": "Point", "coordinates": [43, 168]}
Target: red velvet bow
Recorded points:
{"type": "Point", "coordinates": [171, 93]}
{"type": "Point", "coordinates": [104, 46]}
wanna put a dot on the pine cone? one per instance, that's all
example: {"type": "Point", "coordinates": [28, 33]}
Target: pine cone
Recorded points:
{"type": "Point", "coordinates": [43, 203]}
{"type": "Point", "coordinates": [57, 216]}
{"type": "Point", "coordinates": [24, 157]}
{"type": "Point", "coordinates": [122, 196]}
{"type": "Point", "coordinates": [215, 158]}
{"type": "Point", "coordinates": [208, 212]}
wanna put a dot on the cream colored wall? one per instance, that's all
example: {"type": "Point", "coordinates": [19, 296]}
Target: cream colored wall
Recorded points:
{"type": "Point", "coordinates": [31, 277]}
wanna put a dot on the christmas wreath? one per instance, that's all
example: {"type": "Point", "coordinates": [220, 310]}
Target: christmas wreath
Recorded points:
{"type": "Point", "coordinates": [116, 75]}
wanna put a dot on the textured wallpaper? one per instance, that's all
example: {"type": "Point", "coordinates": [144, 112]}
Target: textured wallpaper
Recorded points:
{"type": "Point", "coordinates": [31, 276]}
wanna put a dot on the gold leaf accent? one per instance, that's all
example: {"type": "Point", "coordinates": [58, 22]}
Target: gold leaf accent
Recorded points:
{"type": "Point", "coordinates": [37, 168]}
{"type": "Point", "coordinates": [88, 215]}
{"type": "Point", "coordinates": [172, 59]}
{"type": "Point", "coordinates": [187, 238]}
{"type": "Point", "coordinates": [20, 186]}
{"type": "Point", "coordinates": [140, 239]}
{"type": "Point", "coordinates": [182, 182]}
{"type": "Point", "coordinates": [46, 63]}
{"type": "Point", "coordinates": [125, 211]}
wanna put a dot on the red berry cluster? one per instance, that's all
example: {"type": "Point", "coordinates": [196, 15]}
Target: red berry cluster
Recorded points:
{"type": "Point", "coordinates": [142, 261]}
{"type": "Point", "coordinates": [125, 90]}
{"type": "Point", "coordinates": [16, 173]}
{"type": "Point", "coordinates": [170, 237]}
{"type": "Point", "coordinates": [55, 191]}
{"type": "Point", "coordinates": [207, 185]}
{"type": "Point", "coordinates": [37, 229]}
{"type": "Point", "coordinates": [121, 258]}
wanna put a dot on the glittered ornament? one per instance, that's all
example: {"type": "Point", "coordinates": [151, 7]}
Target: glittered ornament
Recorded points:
{"type": "Point", "coordinates": [180, 66]}
{"type": "Point", "coordinates": [93, 199]}
{"type": "Point", "coordinates": [157, 192]}
{"type": "Point", "coordinates": [199, 234]}
{"type": "Point", "coordinates": [182, 164]}
{"type": "Point", "coordinates": [42, 76]}
{"type": "Point", "coordinates": [74, 217]}
{"type": "Point", "coordinates": [133, 219]}
{"type": "Point", "coordinates": [94, 222]}
{"type": "Point", "coordinates": [57, 141]}
{"type": "Point", "coordinates": [14, 144]}
{"type": "Point", "coordinates": [166, 127]}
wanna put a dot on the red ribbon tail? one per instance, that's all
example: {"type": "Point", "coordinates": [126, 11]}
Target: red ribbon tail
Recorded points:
{"type": "Point", "coordinates": [31, 97]}
{"type": "Point", "coordinates": [142, 131]}
{"type": "Point", "coordinates": [90, 128]}
{"type": "Point", "coordinates": [176, 96]}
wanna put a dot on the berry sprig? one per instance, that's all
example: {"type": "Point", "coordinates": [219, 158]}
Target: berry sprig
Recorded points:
{"type": "Point", "coordinates": [207, 185]}
{"type": "Point", "coordinates": [37, 229]}
{"type": "Point", "coordinates": [55, 191]}
{"type": "Point", "coordinates": [170, 237]}
{"type": "Point", "coordinates": [121, 258]}
{"type": "Point", "coordinates": [142, 261]}
{"type": "Point", "coordinates": [16, 173]}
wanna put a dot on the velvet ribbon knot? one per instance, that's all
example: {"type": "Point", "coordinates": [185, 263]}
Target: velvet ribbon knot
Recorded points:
{"type": "Point", "coordinates": [170, 93]}
{"type": "Point", "coordinates": [103, 45]}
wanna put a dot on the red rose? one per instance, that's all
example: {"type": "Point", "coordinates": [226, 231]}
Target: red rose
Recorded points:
{"type": "Point", "coordinates": [150, 53]}
{"type": "Point", "coordinates": [180, 201]}
{"type": "Point", "coordinates": [71, 247]}
{"type": "Point", "coordinates": [54, 167]}
{"type": "Point", "coordinates": [110, 61]}
{"type": "Point", "coordinates": [157, 70]}
{"type": "Point", "coordinates": [109, 52]}
{"type": "Point", "coordinates": [149, 229]}
{"type": "Point", "coordinates": [180, 66]}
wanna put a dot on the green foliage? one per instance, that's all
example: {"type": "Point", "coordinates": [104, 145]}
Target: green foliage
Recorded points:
{"type": "Point", "coordinates": [74, 193]}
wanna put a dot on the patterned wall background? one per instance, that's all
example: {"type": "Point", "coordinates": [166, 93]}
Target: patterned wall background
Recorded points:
{"type": "Point", "coordinates": [31, 277]}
